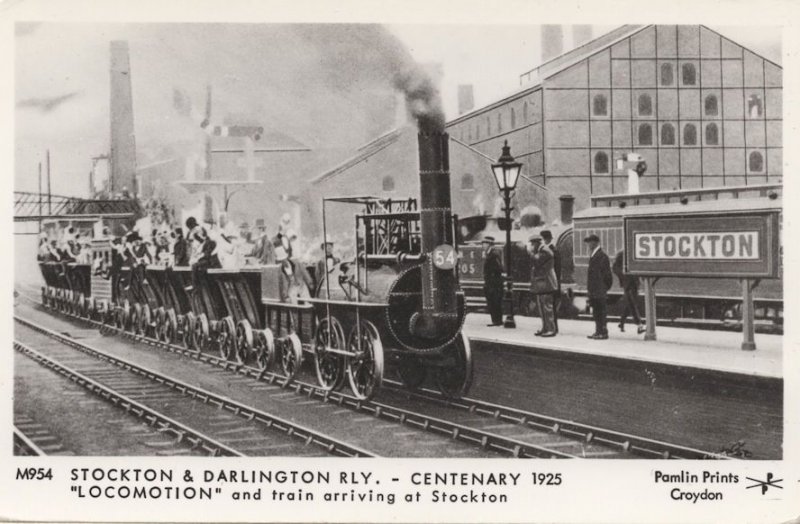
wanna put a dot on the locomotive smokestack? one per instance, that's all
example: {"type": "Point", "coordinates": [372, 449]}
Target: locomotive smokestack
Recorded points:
{"type": "Point", "coordinates": [439, 282]}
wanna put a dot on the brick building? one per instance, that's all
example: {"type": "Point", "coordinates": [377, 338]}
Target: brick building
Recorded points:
{"type": "Point", "coordinates": [702, 110]}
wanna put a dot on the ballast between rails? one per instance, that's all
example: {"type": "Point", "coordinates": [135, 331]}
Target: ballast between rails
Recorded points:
{"type": "Point", "coordinates": [647, 448]}
{"type": "Point", "coordinates": [332, 445]}
{"type": "Point", "coordinates": [130, 406]}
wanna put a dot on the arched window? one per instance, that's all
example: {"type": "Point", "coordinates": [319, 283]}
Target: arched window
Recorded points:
{"type": "Point", "coordinates": [755, 162]}
{"type": "Point", "coordinates": [645, 105]}
{"type": "Point", "coordinates": [689, 135]}
{"type": "Point", "coordinates": [488, 126]}
{"type": "Point", "coordinates": [711, 106]}
{"type": "Point", "coordinates": [600, 106]}
{"type": "Point", "coordinates": [754, 106]}
{"type": "Point", "coordinates": [600, 162]}
{"type": "Point", "coordinates": [469, 133]}
{"type": "Point", "coordinates": [467, 182]}
{"type": "Point", "coordinates": [388, 183]}
{"type": "Point", "coordinates": [667, 135]}
{"type": "Point", "coordinates": [688, 74]}
{"type": "Point", "coordinates": [513, 119]}
{"type": "Point", "coordinates": [477, 132]}
{"type": "Point", "coordinates": [712, 135]}
{"type": "Point", "coordinates": [645, 135]}
{"type": "Point", "coordinates": [525, 113]}
{"type": "Point", "coordinates": [666, 75]}
{"type": "Point", "coordinates": [499, 123]}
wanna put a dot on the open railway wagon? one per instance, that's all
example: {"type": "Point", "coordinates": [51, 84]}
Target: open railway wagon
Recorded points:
{"type": "Point", "coordinates": [397, 303]}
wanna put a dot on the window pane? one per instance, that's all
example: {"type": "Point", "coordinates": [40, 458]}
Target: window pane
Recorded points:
{"type": "Point", "coordinates": [754, 106]}
{"type": "Point", "coordinates": [645, 135]}
{"type": "Point", "coordinates": [666, 74]}
{"type": "Point", "coordinates": [688, 74]}
{"type": "Point", "coordinates": [756, 162]}
{"type": "Point", "coordinates": [600, 162]}
{"type": "Point", "coordinates": [712, 135]}
{"type": "Point", "coordinates": [645, 105]}
{"type": "Point", "coordinates": [711, 106]}
{"type": "Point", "coordinates": [689, 135]}
{"type": "Point", "coordinates": [667, 135]}
{"type": "Point", "coordinates": [599, 107]}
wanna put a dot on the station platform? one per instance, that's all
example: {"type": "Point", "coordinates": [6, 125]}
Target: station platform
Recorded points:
{"type": "Point", "coordinates": [713, 351]}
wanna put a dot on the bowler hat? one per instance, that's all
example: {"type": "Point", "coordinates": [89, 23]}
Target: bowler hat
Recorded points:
{"type": "Point", "coordinates": [592, 238]}
{"type": "Point", "coordinates": [488, 238]}
{"type": "Point", "coordinates": [132, 237]}
{"type": "Point", "coordinates": [322, 246]}
{"type": "Point", "coordinates": [535, 238]}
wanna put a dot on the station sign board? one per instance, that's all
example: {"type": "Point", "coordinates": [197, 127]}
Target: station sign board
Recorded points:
{"type": "Point", "coordinates": [735, 245]}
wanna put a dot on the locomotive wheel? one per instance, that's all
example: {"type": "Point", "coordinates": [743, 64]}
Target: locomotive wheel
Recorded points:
{"type": "Point", "coordinates": [291, 355]}
{"type": "Point", "coordinates": [412, 371]}
{"type": "Point", "coordinates": [145, 320]}
{"type": "Point", "coordinates": [264, 348]}
{"type": "Point", "coordinates": [187, 329]}
{"type": "Point", "coordinates": [226, 340]}
{"type": "Point", "coordinates": [365, 369]}
{"type": "Point", "coordinates": [201, 333]}
{"type": "Point", "coordinates": [135, 323]}
{"type": "Point", "coordinates": [455, 378]}
{"type": "Point", "coordinates": [329, 365]}
{"type": "Point", "coordinates": [244, 341]}
{"type": "Point", "coordinates": [169, 330]}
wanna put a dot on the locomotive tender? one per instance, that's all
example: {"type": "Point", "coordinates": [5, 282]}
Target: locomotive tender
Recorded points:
{"type": "Point", "coordinates": [398, 302]}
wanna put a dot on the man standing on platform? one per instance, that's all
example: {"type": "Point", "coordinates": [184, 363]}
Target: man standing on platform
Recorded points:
{"type": "Point", "coordinates": [543, 284]}
{"type": "Point", "coordinates": [493, 280]}
{"type": "Point", "coordinates": [547, 237]}
{"type": "Point", "coordinates": [598, 282]}
{"type": "Point", "coordinates": [630, 289]}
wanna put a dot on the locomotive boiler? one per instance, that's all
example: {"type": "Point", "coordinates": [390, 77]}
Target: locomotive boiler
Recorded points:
{"type": "Point", "coordinates": [400, 297]}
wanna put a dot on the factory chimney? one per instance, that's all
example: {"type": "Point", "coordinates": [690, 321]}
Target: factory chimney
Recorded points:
{"type": "Point", "coordinates": [123, 143]}
{"type": "Point", "coordinates": [466, 98]}
{"type": "Point", "coordinates": [552, 41]}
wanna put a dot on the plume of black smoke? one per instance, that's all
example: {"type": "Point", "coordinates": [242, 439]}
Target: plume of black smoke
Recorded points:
{"type": "Point", "coordinates": [350, 54]}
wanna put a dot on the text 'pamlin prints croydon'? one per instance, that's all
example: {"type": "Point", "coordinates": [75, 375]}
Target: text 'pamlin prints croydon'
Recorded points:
{"type": "Point", "coordinates": [682, 493]}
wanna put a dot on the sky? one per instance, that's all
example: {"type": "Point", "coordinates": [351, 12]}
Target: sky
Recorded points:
{"type": "Point", "coordinates": [259, 71]}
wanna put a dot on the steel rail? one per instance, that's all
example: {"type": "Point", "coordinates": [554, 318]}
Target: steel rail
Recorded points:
{"type": "Point", "coordinates": [25, 446]}
{"type": "Point", "coordinates": [460, 432]}
{"type": "Point", "coordinates": [646, 447]}
{"type": "Point", "coordinates": [330, 444]}
{"type": "Point", "coordinates": [581, 433]}
{"type": "Point", "coordinates": [130, 406]}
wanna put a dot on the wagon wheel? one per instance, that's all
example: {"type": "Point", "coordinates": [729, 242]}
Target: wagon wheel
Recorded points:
{"type": "Point", "coordinates": [169, 330]}
{"type": "Point", "coordinates": [244, 341]}
{"type": "Point", "coordinates": [226, 339]}
{"type": "Point", "coordinates": [264, 348]}
{"type": "Point", "coordinates": [329, 365]}
{"type": "Point", "coordinates": [145, 320]}
{"type": "Point", "coordinates": [365, 368]}
{"type": "Point", "coordinates": [136, 315]}
{"type": "Point", "coordinates": [455, 378]}
{"type": "Point", "coordinates": [412, 371]}
{"type": "Point", "coordinates": [291, 355]}
{"type": "Point", "coordinates": [201, 333]}
{"type": "Point", "coordinates": [187, 330]}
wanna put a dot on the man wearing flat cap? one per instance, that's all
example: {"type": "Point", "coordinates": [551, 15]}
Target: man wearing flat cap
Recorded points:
{"type": "Point", "coordinates": [493, 280]}
{"type": "Point", "coordinates": [543, 284]}
{"type": "Point", "coordinates": [598, 281]}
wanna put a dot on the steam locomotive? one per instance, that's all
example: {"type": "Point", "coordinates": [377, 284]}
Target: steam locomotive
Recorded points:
{"type": "Point", "coordinates": [397, 303]}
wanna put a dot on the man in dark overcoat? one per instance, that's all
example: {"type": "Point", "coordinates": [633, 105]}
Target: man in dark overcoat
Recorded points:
{"type": "Point", "coordinates": [547, 238]}
{"type": "Point", "coordinates": [493, 280]}
{"type": "Point", "coordinates": [598, 282]}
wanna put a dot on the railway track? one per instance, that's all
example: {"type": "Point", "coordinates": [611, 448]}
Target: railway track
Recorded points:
{"type": "Point", "coordinates": [501, 429]}
{"type": "Point", "coordinates": [203, 419]}
{"type": "Point", "coordinates": [25, 446]}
